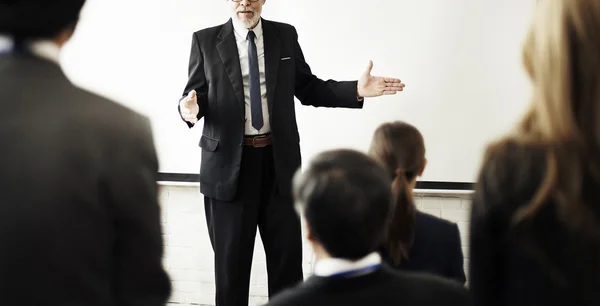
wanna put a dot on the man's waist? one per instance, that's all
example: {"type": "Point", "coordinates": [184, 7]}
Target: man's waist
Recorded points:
{"type": "Point", "coordinates": [258, 141]}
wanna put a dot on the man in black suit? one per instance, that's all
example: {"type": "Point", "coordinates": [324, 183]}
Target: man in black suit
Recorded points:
{"type": "Point", "coordinates": [346, 200]}
{"type": "Point", "coordinates": [243, 76]}
{"type": "Point", "coordinates": [79, 214]}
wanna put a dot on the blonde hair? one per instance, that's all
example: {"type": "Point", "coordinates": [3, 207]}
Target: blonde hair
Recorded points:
{"type": "Point", "coordinates": [561, 54]}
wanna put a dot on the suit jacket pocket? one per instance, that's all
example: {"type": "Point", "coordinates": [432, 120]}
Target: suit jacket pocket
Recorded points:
{"type": "Point", "coordinates": [208, 144]}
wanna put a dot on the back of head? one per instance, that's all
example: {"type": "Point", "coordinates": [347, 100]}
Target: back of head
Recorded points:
{"type": "Point", "coordinates": [400, 148]}
{"type": "Point", "coordinates": [346, 200]}
{"type": "Point", "coordinates": [38, 19]}
{"type": "Point", "coordinates": [561, 54]}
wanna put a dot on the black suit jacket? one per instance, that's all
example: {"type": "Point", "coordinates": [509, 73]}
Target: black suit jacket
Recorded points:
{"type": "Point", "coordinates": [541, 261]}
{"type": "Point", "coordinates": [215, 74]}
{"type": "Point", "coordinates": [79, 216]}
{"type": "Point", "coordinates": [384, 287]}
{"type": "Point", "coordinates": [436, 249]}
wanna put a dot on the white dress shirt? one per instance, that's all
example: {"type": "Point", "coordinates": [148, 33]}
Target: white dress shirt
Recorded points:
{"type": "Point", "coordinates": [46, 49]}
{"type": "Point", "coordinates": [241, 33]}
{"type": "Point", "coordinates": [331, 266]}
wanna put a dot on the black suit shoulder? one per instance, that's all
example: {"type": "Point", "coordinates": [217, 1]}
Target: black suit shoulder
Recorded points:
{"type": "Point", "coordinates": [210, 31]}
{"type": "Point", "coordinates": [434, 290]}
{"type": "Point", "coordinates": [110, 114]}
{"type": "Point", "coordinates": [437, 248]}
{"type": "Point", "coordinates": [384, 287]}
{"type": "Point", "coordinates": [88, 159]}
{"type": "Point", "coordinates": [435, 229]}
{"type": "Point", "coordinates": [118, 131]}
{"type": "Point", "coordinates": [64, 102]}
{"type": "Point", "coordinates": [284, 27]}
{"type": "Point", "coordinates": [432, 220]}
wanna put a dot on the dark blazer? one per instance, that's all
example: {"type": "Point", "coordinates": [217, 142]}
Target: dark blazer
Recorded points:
{"type": "Point", "coordinates": [436, 249]}
{"type": "Point", "coordinates": [384, 287]}
{"type": "Point", "coordinates": [79, 216]}
{"type": "Point", "coordinates": [539, 262]}
{"type": "Point", "coordinates": [215, 74]}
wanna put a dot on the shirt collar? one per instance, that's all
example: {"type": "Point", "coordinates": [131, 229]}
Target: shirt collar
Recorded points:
{"type": "Point", "coordinates": [330, 266]}
{"type": "Point", "coordinates": [46, 49]}
{"type": "Point", "coordinates": [6, 44]}
{"type": "Point", "coordinates": [241, 30]}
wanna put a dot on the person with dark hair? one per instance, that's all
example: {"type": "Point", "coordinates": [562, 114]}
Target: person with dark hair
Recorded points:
{"type": "Point", "coordinates": [415, 240]}
{"type": "Point", "coordinates": [79, 211]}
{"type": "Point", "coordinates": [346, 202]}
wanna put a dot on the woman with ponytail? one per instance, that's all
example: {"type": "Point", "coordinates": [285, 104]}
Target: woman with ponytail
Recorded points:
{"type": "Point", "coordinates": [415, 241]}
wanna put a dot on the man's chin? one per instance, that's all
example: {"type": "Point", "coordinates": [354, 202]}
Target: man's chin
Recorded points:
{"type": "Point", "coordinates": [249, 23]}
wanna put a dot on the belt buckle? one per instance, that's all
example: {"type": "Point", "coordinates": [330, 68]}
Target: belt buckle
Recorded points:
{"type": "Point", "coordinates": [258, 137]}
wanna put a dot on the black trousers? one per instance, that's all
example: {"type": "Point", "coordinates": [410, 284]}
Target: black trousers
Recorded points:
{"type": "Point", "coordinates": [232, 230]}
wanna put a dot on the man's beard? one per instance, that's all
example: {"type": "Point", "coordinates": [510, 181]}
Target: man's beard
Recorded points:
{"type": "Point", "coordinates": [248, 23]}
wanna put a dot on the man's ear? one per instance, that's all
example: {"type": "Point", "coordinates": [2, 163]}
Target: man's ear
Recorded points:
{"type": "Point", "coordinates": [423, 167]}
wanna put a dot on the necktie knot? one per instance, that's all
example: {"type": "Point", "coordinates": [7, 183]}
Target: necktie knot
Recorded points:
{"type": "Point", "coordinates": [251, 36]}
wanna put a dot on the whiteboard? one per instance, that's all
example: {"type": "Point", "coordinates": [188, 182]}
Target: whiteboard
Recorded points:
{"type": "Point", "coordinates": [460, 61]}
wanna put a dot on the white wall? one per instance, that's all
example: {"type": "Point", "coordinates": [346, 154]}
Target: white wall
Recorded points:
{"type": "Point", "coordinates": [189, 256]}
{"type": "Point", "coordinates": [460, 60]}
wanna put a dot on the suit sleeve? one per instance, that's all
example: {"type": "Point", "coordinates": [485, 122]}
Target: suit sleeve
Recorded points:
{"type": "Point", "coordinates": [196, 79]}
{"type": "Point", "coordinates": [139, 275]}
{"type": "Point", "coordinates": [456, 268]}
{"type": "Point", "coordinates": [313, 91]}
{"type": "Point", "coordinates": [486, 260]}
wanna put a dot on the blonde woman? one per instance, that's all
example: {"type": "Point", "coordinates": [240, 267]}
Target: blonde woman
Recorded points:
{"type": "Point", "coordinates": [535, 234]}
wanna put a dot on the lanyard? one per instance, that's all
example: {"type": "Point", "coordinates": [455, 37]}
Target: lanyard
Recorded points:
{"type": "Point", "coordinates": [356, 271]}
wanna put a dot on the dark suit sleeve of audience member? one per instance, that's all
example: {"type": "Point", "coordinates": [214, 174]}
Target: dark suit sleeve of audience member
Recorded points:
{"type": "Point", "coordinates": [456, 267]}
{"type": "Point", "coordinates": [460, 297]}
{"type": "Point", "coordinates": [139, 274]}
{"type": "Point", "coordinates": [311, 90]}
{"type": "Point", "coordinates": [196, 79]}
{"type": "Point", "coordinates": [488, 223]}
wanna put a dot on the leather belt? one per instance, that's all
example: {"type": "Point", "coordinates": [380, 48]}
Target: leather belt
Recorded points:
{"type": "Point", "coordinates": [257, 141]}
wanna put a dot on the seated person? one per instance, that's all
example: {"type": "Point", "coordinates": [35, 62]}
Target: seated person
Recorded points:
{"type": "Point", "coordinates": [415, 241]}
{"type": "Point", "coordinates": [345, 200]}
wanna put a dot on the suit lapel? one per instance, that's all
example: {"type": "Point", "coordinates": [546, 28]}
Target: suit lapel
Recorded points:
{"type": "Point", "coordinates": [272, 57]}
{"type": "Point", "coordinates": [229, 55]}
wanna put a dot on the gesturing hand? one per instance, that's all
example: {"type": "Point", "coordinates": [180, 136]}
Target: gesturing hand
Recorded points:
{"type": "Point", "coordinates": [189, 107]}
{"type": "Point", "coordinates": [374, 86]}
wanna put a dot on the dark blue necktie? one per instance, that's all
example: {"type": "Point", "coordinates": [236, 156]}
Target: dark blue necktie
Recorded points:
{"type": "Point", "coordinates": [255, 96]}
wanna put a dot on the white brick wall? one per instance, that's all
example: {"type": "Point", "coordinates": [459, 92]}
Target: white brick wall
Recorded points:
{"type": "Point", "coordinates": [189, 256]}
